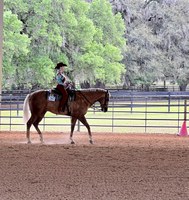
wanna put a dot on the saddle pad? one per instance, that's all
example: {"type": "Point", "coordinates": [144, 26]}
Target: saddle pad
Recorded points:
{"type": "Point", "coordinates": [51, 96]}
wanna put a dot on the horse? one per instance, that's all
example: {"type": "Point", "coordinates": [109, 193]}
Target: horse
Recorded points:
{"type": "Point", "coordinates": [37, 104]}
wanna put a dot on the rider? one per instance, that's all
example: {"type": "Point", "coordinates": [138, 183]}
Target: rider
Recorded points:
{"type": "Point", "coordinates": [62, 85]}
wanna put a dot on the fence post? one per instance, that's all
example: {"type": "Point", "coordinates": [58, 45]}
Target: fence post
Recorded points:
{"type": "Point", "coordinates": [185, 110]}
{"type": "Point", "coordinates": [10, 112]}
{"type": "Point", "coordinates": [44, 123]}
{"type": "Point", "coordinates": [131, 103]}
{"type": "Point", "coordinates": [78, 126]}
{"type": "Point", "coordinates": [94, 108]}
{"type": "Point", "coordinates": [18, 105]}
{"type": "Point", "coordinates": [146, 112]}
{"type": "Point", "coordinates": [169, 102]}
{"type": "Point", "coordinates": [113, 116]}
{"type": "Point", "coordinates": [178, 114]}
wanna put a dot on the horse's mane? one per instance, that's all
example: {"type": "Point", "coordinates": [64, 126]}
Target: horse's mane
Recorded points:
{"type": "Point", "coordinates": [92, 90]}
{"type": "Point", "coordinates": [89, 90]}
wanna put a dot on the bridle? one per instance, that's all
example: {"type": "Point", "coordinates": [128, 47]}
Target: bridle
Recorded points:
{"type": "Point", "coordinates": [106, 99]}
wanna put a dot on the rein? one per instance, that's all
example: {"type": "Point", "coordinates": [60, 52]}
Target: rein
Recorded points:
{"type": "Point", "coordinates": [93, 106]}
{"type": "Point", "coordinates": [85, 97]}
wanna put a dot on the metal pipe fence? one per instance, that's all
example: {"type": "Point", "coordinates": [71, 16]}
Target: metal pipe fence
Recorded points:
{"type": "Point", "coordinates": [128, 113]}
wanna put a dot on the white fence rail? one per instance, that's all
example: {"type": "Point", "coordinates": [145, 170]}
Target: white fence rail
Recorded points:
{"type": "Point", "coordinates": [129, 112]}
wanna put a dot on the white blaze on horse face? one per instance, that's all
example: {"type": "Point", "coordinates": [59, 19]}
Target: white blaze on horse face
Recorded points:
{"type": "Point", "coordinates": [104, 102]}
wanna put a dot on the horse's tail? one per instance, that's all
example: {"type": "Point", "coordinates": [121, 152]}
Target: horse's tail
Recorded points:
{"type": "Point", "coordinates": [26, 110]}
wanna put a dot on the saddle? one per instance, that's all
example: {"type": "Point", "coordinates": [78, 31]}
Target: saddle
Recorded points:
{"type": "Point", "coordinates": [55, 95]}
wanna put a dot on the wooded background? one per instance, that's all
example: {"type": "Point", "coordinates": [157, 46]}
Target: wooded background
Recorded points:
{"type": "Point", "coordinates": [116, 42]}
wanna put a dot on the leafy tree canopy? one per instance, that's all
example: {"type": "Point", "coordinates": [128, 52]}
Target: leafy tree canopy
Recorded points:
{"type": "Point", "coordinates": [38, 35]}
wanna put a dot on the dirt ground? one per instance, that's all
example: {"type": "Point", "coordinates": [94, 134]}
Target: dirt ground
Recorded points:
{"type": "Point", "coordinates": [115, 167]}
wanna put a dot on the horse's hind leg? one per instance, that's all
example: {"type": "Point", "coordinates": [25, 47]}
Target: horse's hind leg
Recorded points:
{"type": "Point", "coordinates": [36, 123]}
{"type": "Point", "coordinates": [29, 123]}
{"type": "Point", "coordinates": [84, 121]}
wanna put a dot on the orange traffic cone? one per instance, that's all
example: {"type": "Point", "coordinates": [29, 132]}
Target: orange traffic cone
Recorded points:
{"type": "Point", "coordinates": [183, 130]}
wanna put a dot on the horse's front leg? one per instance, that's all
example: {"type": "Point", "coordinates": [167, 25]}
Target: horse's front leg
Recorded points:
{"type": "Point", "coordinates": [73, 122]}
{"type": "Point", "coordinates": [84, 121]}
{"type": "Point", "coordinates": [40, 134]}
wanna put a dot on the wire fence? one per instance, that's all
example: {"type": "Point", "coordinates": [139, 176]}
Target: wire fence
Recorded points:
{"type": "Point", "coordinates": [129, 112]}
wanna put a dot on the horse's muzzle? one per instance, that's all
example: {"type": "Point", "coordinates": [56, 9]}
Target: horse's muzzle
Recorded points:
{"type": "Point", "coordinates": [104, 109]}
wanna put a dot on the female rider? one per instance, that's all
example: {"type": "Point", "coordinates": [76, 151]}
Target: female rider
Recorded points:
{"type": "Point", "coordinates": [62, 85]}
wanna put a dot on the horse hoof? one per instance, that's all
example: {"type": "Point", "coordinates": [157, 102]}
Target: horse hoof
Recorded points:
{"type": "Point", "coordinates": [42, 141]}
{"type": "Point", "coordinates": [91, 142]}
{"type": "Point", "coordinates": [72, 142]}
{"type": "Point", "coordinates": [29, 142]}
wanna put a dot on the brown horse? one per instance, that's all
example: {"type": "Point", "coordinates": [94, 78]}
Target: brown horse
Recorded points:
{"type": "Point", "coordinates": [36, 105]}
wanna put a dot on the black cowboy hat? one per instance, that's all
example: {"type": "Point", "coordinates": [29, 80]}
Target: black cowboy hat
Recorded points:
{"type": "Point", "coordinates": [61, 64]}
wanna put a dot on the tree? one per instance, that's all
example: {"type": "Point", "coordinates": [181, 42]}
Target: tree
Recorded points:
{"type": "Point", "coordinates": [15, 46]}
{"type": "Point", "coordinates": [62, 30]}
{"type": "Point", "coordinates": [111, 42]}
{"type": "Point", "coordinates": [170, 22]}
{"type": "Point", "coordinates": [140, 58]}
{"type": "Point", "coordinates": [36, 67]}
{"type": "Point", "coordinates": [78, 32]}
{"type": "Point", "coordinates": [157, 34]}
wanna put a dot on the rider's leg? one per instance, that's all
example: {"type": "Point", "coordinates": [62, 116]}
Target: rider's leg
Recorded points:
{"type": "Point", "coordinates": [64, 98]}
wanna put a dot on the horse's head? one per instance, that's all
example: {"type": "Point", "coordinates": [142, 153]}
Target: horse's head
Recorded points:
{"type": "Point", "coordinates": [104, 100]}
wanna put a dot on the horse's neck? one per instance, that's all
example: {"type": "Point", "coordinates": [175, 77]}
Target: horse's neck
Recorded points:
{"type": "Point", "coordinates": [92, 97]}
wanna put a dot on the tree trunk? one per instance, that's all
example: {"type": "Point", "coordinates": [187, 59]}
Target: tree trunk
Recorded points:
{"type": "Point", "coordinates": [183, 87]}
{"type": "Point", "coordinates": [99, 84]}
{"type": "Point", "coordinates": [85, 85]}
